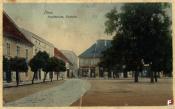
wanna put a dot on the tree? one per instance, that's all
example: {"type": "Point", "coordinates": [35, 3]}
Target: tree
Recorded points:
{"type": "Point", "coordinates": [53, 65]}
{"type": "Point", "coordinates": [106, 61]}
{"type": "Point", "coordinates": [50, 67]}
{"type": "Point", "coordinates": [18, 65]}
{"type": "Point", "coordinates": [46, 69]}
{"type": "Point", "coordinates": [141, 32]}
{"type": "Point", "coordinates": [60, 67]}
{"type": "Point", "coordinates": [6, 69]}
{"type": "Point", "coordinates": [38, 62]}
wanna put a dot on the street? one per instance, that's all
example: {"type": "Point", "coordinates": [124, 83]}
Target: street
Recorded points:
{"type": "Point", "coordinates": [125, 92]}
{"type": "Point", "coordinates": [61, 95]}
{"type": "Point", "coordinates": [96, 92]}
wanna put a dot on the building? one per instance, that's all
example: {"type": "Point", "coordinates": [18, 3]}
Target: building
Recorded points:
{"type": "Point", "coordinates": [58, 54]}
{"type": "Point", "coordinates": [40, 44]}
{"type": "Point", "coordinates": [89, 59]}
{"type": "Point", "coordinates": [73, 58]}
{"type": "Point", "coordinates": [15, 44]}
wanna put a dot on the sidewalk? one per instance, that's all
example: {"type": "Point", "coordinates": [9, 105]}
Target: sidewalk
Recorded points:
{"type": "Point", "coordinates": [29, 82]}
{"type": "Point", "coordinates": [63, 95]}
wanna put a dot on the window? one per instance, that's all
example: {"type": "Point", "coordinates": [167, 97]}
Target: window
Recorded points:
{"type": "Point", "coordinates": [8, 49]}
{"type": "Point", "coordinates": [17, 51]}
{"type": "Point", "coordinates": [26, 53]}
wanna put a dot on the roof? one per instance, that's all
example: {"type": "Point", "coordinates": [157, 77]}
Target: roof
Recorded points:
{"type": "Point", "coordinates": [30, 34]}
{"type": "Point", "coordinates": [70, 55]}
{"type": "Point", "coordinates": [58, 54]}
{"type": "Point", "coordinates": [96, 49]}
{"type": "Point", "coordinates": [11, 30]}
{"type": "Point", "coordinates": [69, 52]}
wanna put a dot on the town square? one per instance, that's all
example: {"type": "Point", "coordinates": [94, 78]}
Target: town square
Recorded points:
{"type": "Point", "coordinates": [87, 54]}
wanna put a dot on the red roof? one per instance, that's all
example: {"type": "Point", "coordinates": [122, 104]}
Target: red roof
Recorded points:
{"type": "Point", "coordinates": [11, 30]}
{"type": "Point", "coordinates": [58, 54]}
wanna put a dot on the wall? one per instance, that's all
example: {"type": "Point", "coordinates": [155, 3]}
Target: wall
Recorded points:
{"type": "Point", "coordinates": [41, 46]}
{"type": "Point", "coordinates": [13, 47]}
{"type": "Point", "coordinates": [88, 61]}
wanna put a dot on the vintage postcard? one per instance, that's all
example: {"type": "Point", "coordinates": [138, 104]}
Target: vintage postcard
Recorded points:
{"type": "Point", "coordinates": [107, 54]}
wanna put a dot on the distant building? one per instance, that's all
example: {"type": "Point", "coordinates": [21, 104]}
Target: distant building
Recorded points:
{"type": "Point", "coordinates": [40, 44]}
{"type": "Point", "coordinates": [15, 44]}
{"type": "Point", "coordinates": [73, 58]}
{"type": "Point", "coordinates": [58, 54]}
{"type": "Point", "coordinates": [89, 59]}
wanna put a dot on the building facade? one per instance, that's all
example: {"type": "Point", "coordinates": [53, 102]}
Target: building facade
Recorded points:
{"type": "Point", "coordinates": [40, 44]}
{"type": "Point", "coordinates": [89, 59]}
{"type": "Point", "coordinates": [15, 44]}
{"type": "Point", "coordinates": [73, 58]}
{"type": "Point", "coordinates": [58, 54]}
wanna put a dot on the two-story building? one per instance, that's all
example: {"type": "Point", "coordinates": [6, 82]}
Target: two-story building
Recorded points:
{"type": "Point", "coordinates": [90, 58]}
{"type": "Point", "coordinates": [40, 44]}
{"type": "Point", "coordinates": [15, 44]}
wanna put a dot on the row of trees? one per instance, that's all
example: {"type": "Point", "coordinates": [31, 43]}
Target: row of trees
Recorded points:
{"type": "Point", "coordinates": [41, 61]}
{"type": "Point", "coordinates": [142, 35]}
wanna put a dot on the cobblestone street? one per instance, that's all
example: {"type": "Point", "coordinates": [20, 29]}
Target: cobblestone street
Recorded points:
{"type": "Point", "coordinates": [61, 95]}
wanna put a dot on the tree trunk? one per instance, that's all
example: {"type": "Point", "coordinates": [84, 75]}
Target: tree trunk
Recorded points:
{"type": "Point", "coordinates": [155, 76]}
{"type": "Point", "coordinates": [132, 74]}
{"type": "Point", "coordinates": [158, 75]}
{"type": "Point", "coordinates": [109, 74]}
{"type": "Point", "coordinates": [125, 74]}
{"type": "Point", "coordinates": [117, 75]}
{"type": "Point", "coordinates": [152, 76]}
{"type": "Point", "coordinates": [34, 75]}
{"type": "Point", "coordinates": [72, 75]}
{"type": "Point", "coordinates": [67, 73]}
{"type": "Point", "coordinates": [90, 75]}
{"type": "Point", "coordinates": [102, 74]}
{"type": "Point", "coordinates": [45, 74]}
{"type": "Point", "coordinates": [8, 76]}
{"type": "Point", "coordinates": [39, 74]}
{"type": "Point", "coordinates": [57, 75]}
{"type": "Point", "coordinates": [136, 76]}
{"type": "Point", "coordinates": [17, 78]}
{"type": "Point", "coordinates": [51, 76]}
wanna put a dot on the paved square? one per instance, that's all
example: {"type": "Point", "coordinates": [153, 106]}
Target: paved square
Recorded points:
{"type": "Point", "coordinates": [125, 92]}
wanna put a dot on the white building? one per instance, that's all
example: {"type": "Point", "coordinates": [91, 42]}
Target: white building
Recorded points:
{"type": "Point", "coordinates": [73, 58]}
{"type": "Point", "coordinates": [69, 72]}
{"type": "Point", "coordinates": [89, 59]}
{"type": "Point", "coordinates": [40, 44]}
{"type": "Point", "coordinates": [15, 44]}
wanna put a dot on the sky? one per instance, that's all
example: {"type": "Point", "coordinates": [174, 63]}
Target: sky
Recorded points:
{"type": "Point", "coordinates": [77, 32]}
{"type": "Point", "coordinates": [81, 26]}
